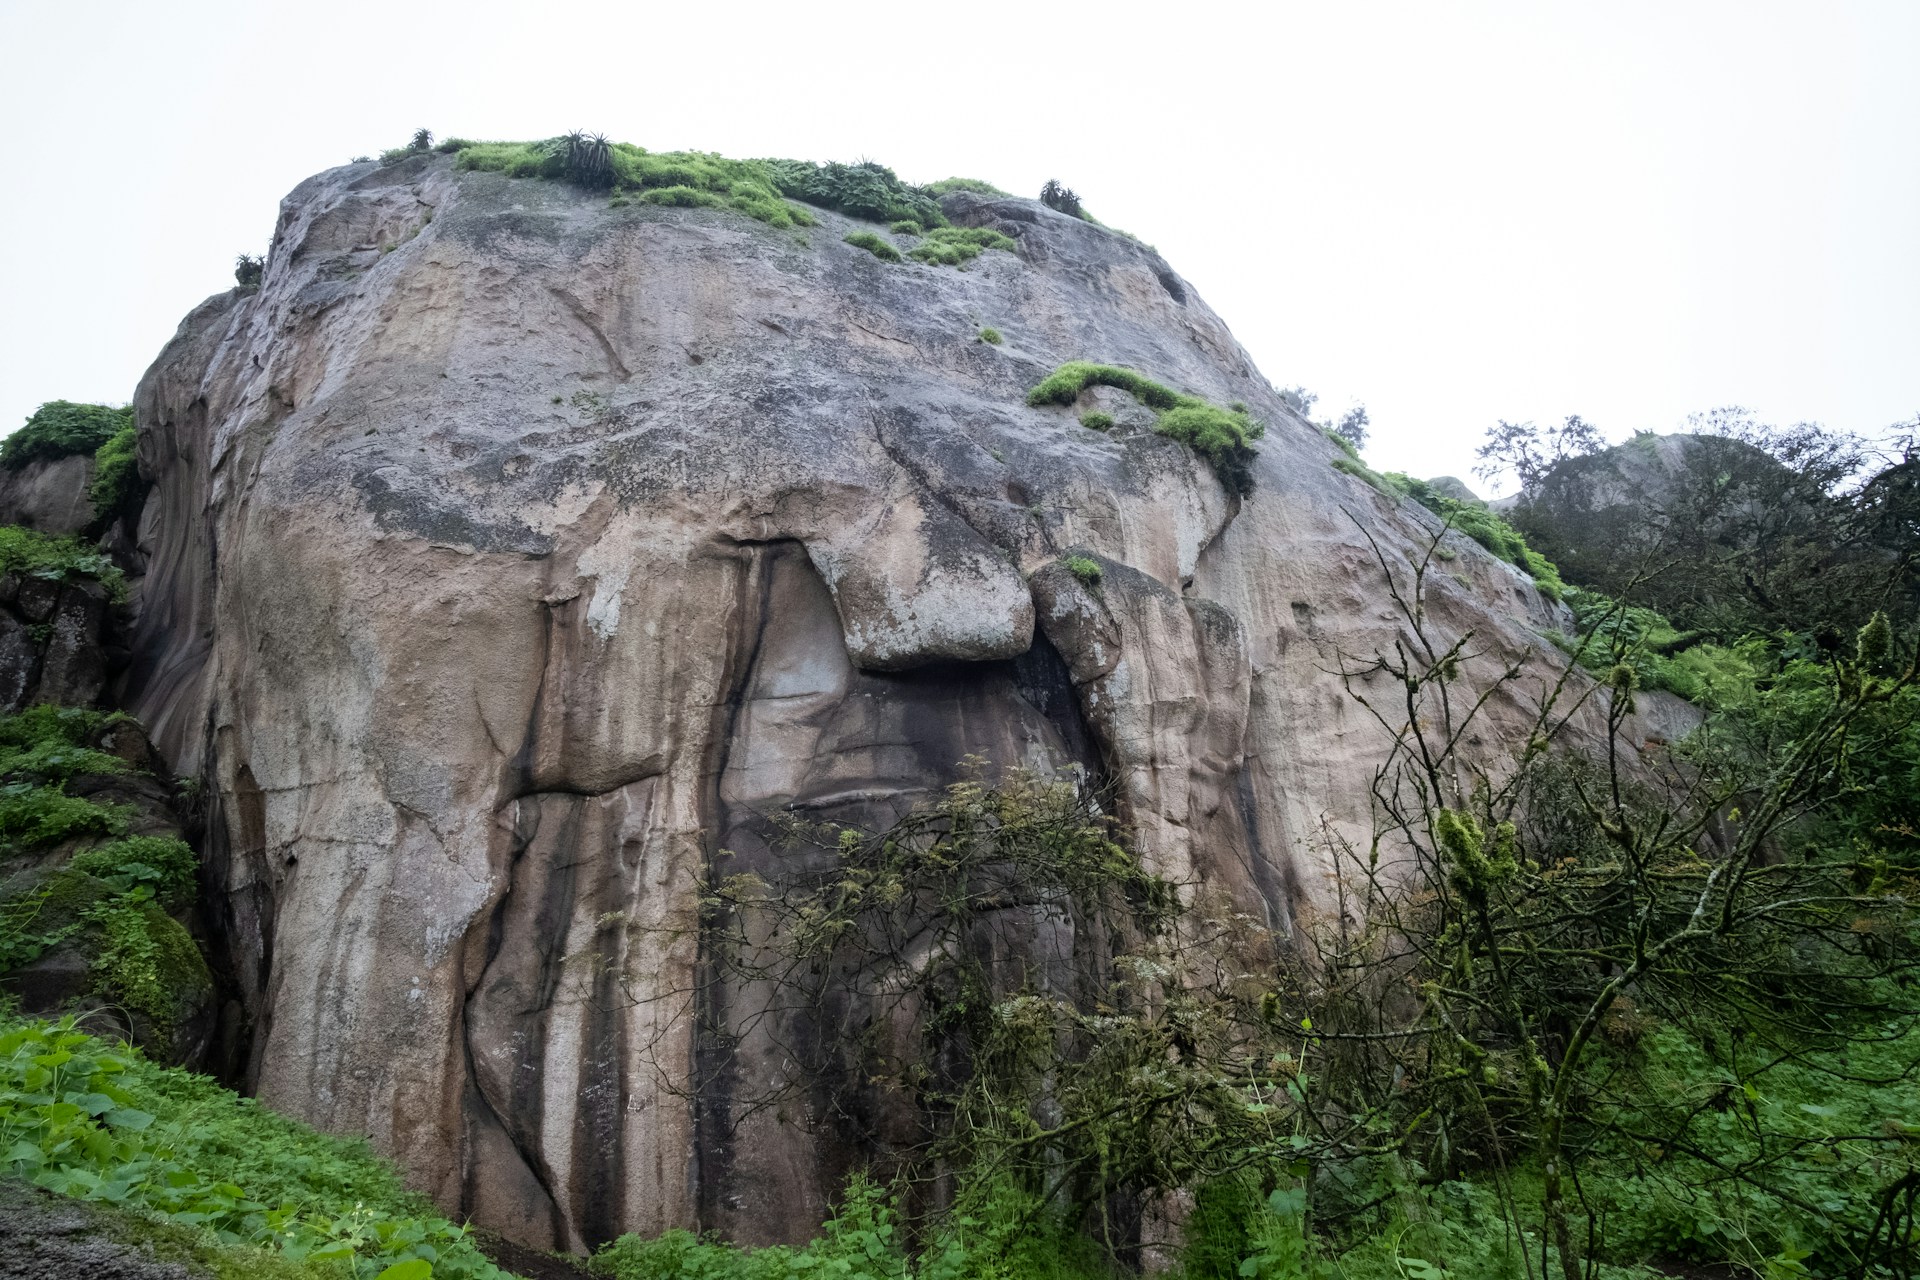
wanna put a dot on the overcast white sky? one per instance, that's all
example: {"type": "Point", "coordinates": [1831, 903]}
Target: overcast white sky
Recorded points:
{"type": "Point", "coordinates": [1453, 212]}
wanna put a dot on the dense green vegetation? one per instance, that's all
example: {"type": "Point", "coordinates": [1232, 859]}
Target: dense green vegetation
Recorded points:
{"type": "Point", "coordinates": [90, 1119]}
{"type": "Point", "coordinates": [58, 559]}
{"type": "Point", "coordinates": [679, 178]}
{"type": "Point", "coordinates": [1085, 568]}
{"type": "Point", "coordinates": [974, 185]}
{"type": "Point", "coordinates": [876, 245]}
{"type": "Point", "coordinates": [113, 898]}
{"type": "Point", "coordinates": [115, 489]}
{"type": "Point", "coordinates": [762, 189]}
{"type": "Point", "coordinates": [957, 246]}
{"type": "Point", "coordinates": [1224, 437]}
{"type": "Point", "coordinates": [61, 428]}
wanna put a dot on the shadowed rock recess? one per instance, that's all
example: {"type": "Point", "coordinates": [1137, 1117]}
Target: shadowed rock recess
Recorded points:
{"type": "Point", "coordinates": [511, 555]}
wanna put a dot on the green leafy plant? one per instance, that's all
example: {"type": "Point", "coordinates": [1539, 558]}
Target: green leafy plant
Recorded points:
{"type": "Point", "coordinates": [100, 1122]}
{"type": "Point", "coordinates": [956, 246]}
{"type": "Point", "coordinates": [249, 269]}
{"type": "Point", "coordinates": [31, 816]}
{"type": "Point", "coordinates": [58, 559]}
{"type": "Point", "coordinates": [61, 428]}
{"type": "Point", "coordinates": [1094, 420]}
{"type": "Point", "coordinates": [49, 744]}
{"type": "Point", "coordinates": [116, 489]}
{"type": "Point", "coordinates": [1085, 568]}
{"type": "Point", "coordinates": [165, 865]}
{"type": "Point", "coordinates": [873, 244]}
{"type": "Point", "coordinates": [1224, 437]}
{"type": "Point", "coordinates": [990, 336]}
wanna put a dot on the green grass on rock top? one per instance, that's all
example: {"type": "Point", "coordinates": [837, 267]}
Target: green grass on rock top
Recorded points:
{"type": "Point", "coordinates": [1224, 437]}
{"type": "Point", "coordinates": [762, 189]}
{"type": "Point", "coordinates": [61, 428]}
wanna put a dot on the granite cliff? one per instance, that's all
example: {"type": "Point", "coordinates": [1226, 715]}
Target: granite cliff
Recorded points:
{"type": "Point", "coordinates": [510, 555]}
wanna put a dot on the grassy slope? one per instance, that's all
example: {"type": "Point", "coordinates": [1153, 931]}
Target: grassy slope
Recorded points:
{"type": "Point", "coordinates": [86, 1118]}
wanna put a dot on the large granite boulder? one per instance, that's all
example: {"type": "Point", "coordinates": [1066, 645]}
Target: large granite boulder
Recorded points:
{"type": "Point", "coordinates": [48, 495]}
{"type": "Point", "coordinates": [510, 555]}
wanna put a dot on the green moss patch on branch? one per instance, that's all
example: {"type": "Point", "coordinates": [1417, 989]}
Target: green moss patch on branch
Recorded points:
{"type": "Point", "coordinates": [1224, 437]}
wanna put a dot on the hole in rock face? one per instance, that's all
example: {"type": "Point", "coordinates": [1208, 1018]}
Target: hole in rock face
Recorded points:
{"type": "Point", "coordinates": [1171, 283]}
{"type": "Point", "coordinates": [813, 735]}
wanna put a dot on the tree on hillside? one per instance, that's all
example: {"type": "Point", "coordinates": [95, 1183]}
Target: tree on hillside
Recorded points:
{"type": "Point", "coordinates": [1736, 526]}
{"type": "Point", "coordinates": [1351, 425]}
{"type": "Point", "coordinates": [1529, 453]}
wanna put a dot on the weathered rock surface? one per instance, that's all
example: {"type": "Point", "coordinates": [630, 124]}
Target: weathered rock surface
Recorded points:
{"type": "Point", "coordinates": [509, 556]}
{"type": "Point", "coordinates": [48, 496]}
{"type": "Point", "coordinates": [56, 641]}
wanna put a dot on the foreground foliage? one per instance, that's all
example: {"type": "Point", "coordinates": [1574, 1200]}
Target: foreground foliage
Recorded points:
{"type": "Point", "coordinates": [58, 560]}
{"type": "Point", "coordinates": [98, 1121]}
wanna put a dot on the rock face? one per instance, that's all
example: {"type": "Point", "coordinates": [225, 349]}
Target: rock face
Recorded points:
{"type": "Point", "coordinates": [48, 496]}
{"type": "Point", "coordinates": [55, 641]}
{"type": "Point", "coordinates": [510, 556]}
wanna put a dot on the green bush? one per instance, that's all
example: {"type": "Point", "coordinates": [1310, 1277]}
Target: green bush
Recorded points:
{"type": "Point", "coordinates": [995, 1233]}
{"type": "Point", "coordinates": [115, 488]}
{"type": "Point", "coordinates": [1085, 568]}
{"type": "Point", "coordinates": [33, 815]}
{"type": "Point", "coordinates": [975, 185]}
{"type": "Point", "coordinates": [165, 865]}
{"type": "Point", "coordinates": [1061, 199]}
{"type": "Point", "coordinates": [991, 337]}
{"type": "Point", "coordinates": [682, 197]}
{"type": "Point", "coordinates": [24, 551]}
{"type": "Point", "coordinates": [1094, 420]}
{"type": "Point", "coordinates": [61, 428]}
{"type": "Point", "coordinates": [956, 246]}
{"type": "Point", "coordinates": [873, 244]}
{"type": "Point", "coordinates": [686, 179]}
{"type": "Point", "coordinates": [907, 227]}
{"type": "Point", "coordinates": [48, 745]}
{"type": "Point", "coordinates": [1224, 437]}
{"type": "Point", "coordinates": [864, 190]}
{"type": "Point", "coordinates": [99, 1122]}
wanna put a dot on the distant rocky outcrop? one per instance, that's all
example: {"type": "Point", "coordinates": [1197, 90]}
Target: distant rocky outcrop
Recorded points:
{"type": "Point", "coordinates": [511, 556]}
{"type": "Point", "coordinates": [1455, 488]}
